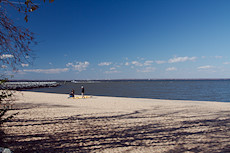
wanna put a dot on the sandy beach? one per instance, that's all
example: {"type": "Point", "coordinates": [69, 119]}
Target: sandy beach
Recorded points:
{"type": "Point", "coordinates": [53, 123]}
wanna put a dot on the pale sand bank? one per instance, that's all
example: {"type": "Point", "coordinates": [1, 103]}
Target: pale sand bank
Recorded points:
{"type": "Point", "coordinates": [53, 123]}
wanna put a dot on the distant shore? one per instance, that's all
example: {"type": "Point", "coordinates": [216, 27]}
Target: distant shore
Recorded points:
{"type": "Point", "coordinates": [53, 123]}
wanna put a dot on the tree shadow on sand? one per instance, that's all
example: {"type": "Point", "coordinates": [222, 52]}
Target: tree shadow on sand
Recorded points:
{"type": "Point", "coordinates": [128, 132]}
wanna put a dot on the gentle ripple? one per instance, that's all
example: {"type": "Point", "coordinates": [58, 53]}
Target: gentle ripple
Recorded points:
{"type": "Point", "coordinates": [201, 90]}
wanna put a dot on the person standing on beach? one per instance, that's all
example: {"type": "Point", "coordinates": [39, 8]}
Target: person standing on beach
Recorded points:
{"type": "Point", "coordinates": [71, 93]}
{"type": "Point", "coordinates": [82, 91]}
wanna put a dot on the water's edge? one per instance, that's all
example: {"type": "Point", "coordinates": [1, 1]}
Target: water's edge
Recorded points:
{"type": "Point", "coordinates": [195, 90]}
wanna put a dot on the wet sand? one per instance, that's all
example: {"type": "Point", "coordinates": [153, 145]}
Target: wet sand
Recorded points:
{"type": "Point", "coordinates": [53, 123]}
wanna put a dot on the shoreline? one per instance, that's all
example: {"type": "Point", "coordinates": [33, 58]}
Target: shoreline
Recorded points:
{"type": "Point", "coordinates": [50, 122]}
{"type": "Point", "coordinates": [186, 100]}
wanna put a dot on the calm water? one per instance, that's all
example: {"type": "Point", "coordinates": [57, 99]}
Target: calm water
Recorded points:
{"type": "Point", "coordinates": [203, 90]}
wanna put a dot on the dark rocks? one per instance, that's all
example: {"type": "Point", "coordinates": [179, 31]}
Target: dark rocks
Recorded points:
{"type": "Point", "coordinates": [27, 85]}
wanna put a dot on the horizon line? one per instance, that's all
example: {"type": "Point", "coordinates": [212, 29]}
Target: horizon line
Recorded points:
{"type": "Point", "coordinates": [119, 79]}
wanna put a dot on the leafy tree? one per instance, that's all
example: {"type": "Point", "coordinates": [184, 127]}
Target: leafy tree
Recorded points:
{"type": "Point", "coordinates": [15, 44]}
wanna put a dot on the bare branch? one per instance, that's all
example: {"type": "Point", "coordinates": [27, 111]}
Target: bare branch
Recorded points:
{"type": "Point", "coordinates": [15, 41]}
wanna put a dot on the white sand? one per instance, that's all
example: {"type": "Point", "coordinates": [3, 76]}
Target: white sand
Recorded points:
{"type": "Point", "coordinates": [54, 123]}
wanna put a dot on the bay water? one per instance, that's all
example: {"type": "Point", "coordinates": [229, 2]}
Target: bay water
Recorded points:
{"type": "Point", "coordinates": [197, 90]}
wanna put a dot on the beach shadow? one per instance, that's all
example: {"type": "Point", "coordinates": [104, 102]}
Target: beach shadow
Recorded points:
{"type": "Point", "coordinates": [2, 137]}
{"type": "Point", "coordinates": [21, 106]}
{"type": "Point", "coordinates": [141, 128]}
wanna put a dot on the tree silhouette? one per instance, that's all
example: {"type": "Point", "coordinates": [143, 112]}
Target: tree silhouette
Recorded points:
{"type": "Point", "coordinates": [15, 44]}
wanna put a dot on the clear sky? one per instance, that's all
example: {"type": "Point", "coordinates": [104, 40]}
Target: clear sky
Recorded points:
{"type": "Point", "coordinates": [130, 39]}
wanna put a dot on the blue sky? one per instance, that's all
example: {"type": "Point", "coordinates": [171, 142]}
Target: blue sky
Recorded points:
{"type": "Point", "coordinates": [129, 39]}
